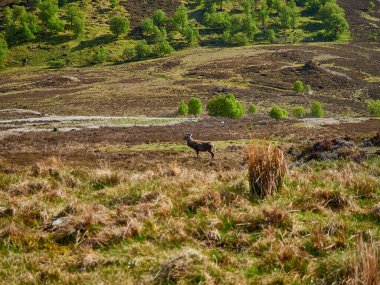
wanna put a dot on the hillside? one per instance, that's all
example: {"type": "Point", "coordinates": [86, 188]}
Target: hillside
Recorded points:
{"type": "Point", "coordinates": [49, 46]}
{"type": "Point", "coordinates": [99, 186]}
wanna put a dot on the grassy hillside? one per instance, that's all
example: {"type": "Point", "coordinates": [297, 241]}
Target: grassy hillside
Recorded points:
{"type": "Point", "coordinates": [80, 52]}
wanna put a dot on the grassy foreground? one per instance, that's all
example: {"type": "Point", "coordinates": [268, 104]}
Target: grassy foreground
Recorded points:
{"type": "Point", "coordinates": [67, 225]}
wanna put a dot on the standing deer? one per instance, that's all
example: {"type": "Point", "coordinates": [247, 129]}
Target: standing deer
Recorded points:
{"type": "Point", "coordinates": [199, 146]}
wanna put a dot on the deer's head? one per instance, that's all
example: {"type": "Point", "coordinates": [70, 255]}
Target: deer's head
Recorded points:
{"type": "Point", "coordinates": [187, 136]}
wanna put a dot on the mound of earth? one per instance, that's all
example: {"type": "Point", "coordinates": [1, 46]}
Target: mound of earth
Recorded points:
{"type": "Point", "coordinates": [330, 149]}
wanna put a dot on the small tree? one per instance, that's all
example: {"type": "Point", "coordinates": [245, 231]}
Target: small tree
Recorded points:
{"type": "Point", "coordinates": [278, 113]}
{"type": "Point", "coordinates": [195, 106]}
{"type": "Point", "coordinates": [49, 15]}
{"type": "Point", "coordinates": [298, 87]}
{"type": "Point", "coordinates": [183, 110]}
{"type": "Point", "coordinates": [142, 49]}
{"type": "Point", "coordinates": [160, 18]}
{"type": "Point", "coordinates": [252, 109]}
{"type": "Point", "coordinates": [3, 51]}
{"type": "Point", "coordinates": [374, 108]}
{"type": "Point", "coordinates": [119, 25]}
{"type": "Point", "coordinates": [78, 26]}
{"type": "Point", "coordinates": [162, 46]}
{"type": "Point", "coordinates": [299, 112]}
{"type": "Point", "coordinates": [317, 110]}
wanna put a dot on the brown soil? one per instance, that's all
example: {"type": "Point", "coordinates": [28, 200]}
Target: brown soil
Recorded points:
{"type": "Point", "coordinates": [87, 147]}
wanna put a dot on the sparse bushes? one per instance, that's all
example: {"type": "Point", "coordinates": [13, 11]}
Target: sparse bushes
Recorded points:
{"type": "Point", "coordinates": [267, 169]}
{"type": "Point", "coordinates": [119, 25]}
{"type": "Point", "coordinates": [129, 53]}
{"type": "Point", "coordinates": [374, 108]}
{"type": "Point", "coordinates": [278, 113]}
{"type": "Point", "coordinates": [225, 106]}
{"type": "Point", "coordinates": [317, 110]}
{"type": "Point", "coordinates": [299, 112]}
{"type": "Point", "coordinates": [195, 106]}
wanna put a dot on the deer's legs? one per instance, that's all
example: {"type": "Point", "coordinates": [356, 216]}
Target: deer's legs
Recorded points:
{"type": "Point", "coordinates": [212, 154]}
{"type": "Point", "coordinates": [198, 154]}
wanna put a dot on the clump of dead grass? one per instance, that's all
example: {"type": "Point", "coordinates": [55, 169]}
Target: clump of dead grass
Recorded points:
{"type": "Point", "coordinates": [267, 169]}
{"type": "Point", "coordinates": [186, 266]}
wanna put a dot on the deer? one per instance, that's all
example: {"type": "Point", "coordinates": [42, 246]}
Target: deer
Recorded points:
{"type": "Point", "coordinates": [199, 146]}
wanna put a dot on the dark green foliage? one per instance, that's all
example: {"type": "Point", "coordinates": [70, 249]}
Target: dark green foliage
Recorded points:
{"type": "Point", "coordinates": [374, 108]}
{"type": "Point", "coordinates": [119, 25]}
{"type": "Point", "coordinates": [299, 112]}
{"type": "Point", "coordinates": [317, 110]}
{"type": "Point", "coordinates": [183, 110]}
{"type": "Point", "coordinates": [195, 106]}
{"type": "Point", "coordinates": [278, 113]}
{"type": "Point", "coordinates": [225, 106]}
{"type": "Point", "coordinates": [3, 51]}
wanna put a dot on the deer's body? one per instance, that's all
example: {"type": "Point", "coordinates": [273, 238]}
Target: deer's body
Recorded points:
{"type": "Point", "coordinates": [199, 146]}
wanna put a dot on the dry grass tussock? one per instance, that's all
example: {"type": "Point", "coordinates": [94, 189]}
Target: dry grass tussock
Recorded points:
{"type": "Point", "coordinates": [267, 169]}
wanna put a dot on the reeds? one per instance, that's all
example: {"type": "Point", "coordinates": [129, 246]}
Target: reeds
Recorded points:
{"type": "Point", "coordinates": [267, 169]}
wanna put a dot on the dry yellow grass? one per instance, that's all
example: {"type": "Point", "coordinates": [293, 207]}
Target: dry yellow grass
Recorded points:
{"type": "Point", "coordinates": [267, 169]}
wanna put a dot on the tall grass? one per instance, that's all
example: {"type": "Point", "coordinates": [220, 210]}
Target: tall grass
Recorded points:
{"type": "Point", "coordinates": [267, 169]}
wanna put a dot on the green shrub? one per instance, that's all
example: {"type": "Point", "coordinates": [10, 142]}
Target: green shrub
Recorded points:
{"type": "Point", "coordinates": [143, 49]}
{"type": "Point", "coordinates": [374, 108]}
{"type": "Point", "coordinates": [317, 110]}
{"type": "Point", "coordinates": [225, 106]}
{"type": "Point", "coordinates": [129, 53]}
{"type": "Point", "coordinates": [252, 109]}
{"type": "Point", "coordinates": [119, 25]}
{"type": "Point", "coordinates": [195, 106]}
{"type": "Point", "coordinates": [183, 110]}
{"type": "Point", "coordinates": [100, 55]}
{"type": "Point", "coordinates": [162, 46]}
{"type": "Point", "coordinates": [299, 112]}
{"type": "Point", "coordinates": [114, 3]}
{"type": "Point", "coordinates": [57, 63]}
{"type": "Point", "coordinates": [278, 113]}
{"type": "Point", "coordinates": [298, 87]}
